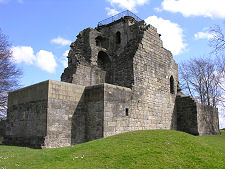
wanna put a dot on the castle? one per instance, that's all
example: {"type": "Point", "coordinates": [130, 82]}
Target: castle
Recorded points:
{"type": "Point", "coordinates": [119, 78]}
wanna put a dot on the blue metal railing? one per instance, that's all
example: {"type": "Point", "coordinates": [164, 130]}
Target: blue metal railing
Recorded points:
{"type": "Point", "coordinates": [117, 17]}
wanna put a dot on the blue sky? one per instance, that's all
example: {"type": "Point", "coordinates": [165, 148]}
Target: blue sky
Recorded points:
{"type": "Point", "coordinates": [41, 31]}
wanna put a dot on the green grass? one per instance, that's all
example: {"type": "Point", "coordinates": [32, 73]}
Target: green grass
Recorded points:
{"type": "Point", "coordinates": [139, 149]}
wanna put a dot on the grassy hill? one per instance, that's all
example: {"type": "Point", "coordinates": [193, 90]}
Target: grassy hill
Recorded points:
{"type": "Point", "coordinates": [138, 149]}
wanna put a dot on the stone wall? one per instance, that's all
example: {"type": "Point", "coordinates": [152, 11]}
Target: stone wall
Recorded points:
{"type": "Point", "coordinates": [195, 118]}
{"type": "Point", "coordinates": [75, 114]}
{"type": "Point", "coordinates": [65, 117]}
{"type": "Point", "coordinates": [55, 114]}
{"type": "Point", "coordinates": [186, 110]}
{"type": "Point", "coordinates": [121, 54]}
{"type": "Point", "coordinates": [49, 114]}
{"type": "Point", "coordinates": [94, 104]}
{"type": "Point", "coordinates": [80, 52]}
{"type": "Point", "coordinates": [208, 121]}
{"type": "Point", "coordinates": [117, 112]}
{"type": "Point", "coordinates": [138, 62]}
{"type": "Point", "coordinates": [2, 129]}
{"type": "Point", "coordinates": [153, 103]}
{"type": "Point", "coordinates": [27, 116]}
{"type": "Point", "coordinates": [88, 75]}
{"type": "Point", "coordinates": [83, 69]}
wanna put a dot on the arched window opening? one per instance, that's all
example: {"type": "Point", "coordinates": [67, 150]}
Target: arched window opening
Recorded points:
{"type": "Point", "coordinates": [98, 41]}
{"type": "Point", "coordinates": [118, 37]}
{"type": "Point", "coordinates": [171, 85]}
{"type": "Point", "coordinates": [105, 64]}
{"type": "Point", "coordinates": [103, 60]}
{"type": "Point", "coordinates": [102, 42]}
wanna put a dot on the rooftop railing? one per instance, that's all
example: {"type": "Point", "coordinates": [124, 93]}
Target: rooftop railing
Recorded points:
{"type": "Point", "coordinates": [117, 17]}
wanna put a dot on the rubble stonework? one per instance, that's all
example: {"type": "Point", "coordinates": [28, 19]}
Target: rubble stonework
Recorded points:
{"type": "Point", "coordinates": [2, 129]}
{"type": "Point", "coordinates": [195, 118]}
{"type": "Point", "coordinates": [119, 78]}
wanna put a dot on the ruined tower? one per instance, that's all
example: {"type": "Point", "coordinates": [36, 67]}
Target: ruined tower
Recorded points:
{"type": "Point", "coordinates": [127, 53]}
{"type": "Point", "coordinates": [119, 78]}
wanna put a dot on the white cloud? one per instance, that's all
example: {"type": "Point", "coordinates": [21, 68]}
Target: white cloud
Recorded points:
{"type": "Point", "coordinates": [203, 35]}
{"type": "Point", "coordinates": [158, 9]}
{"type": "Point", "coordinates": [172, 34]}
{"type": "Point", "coordinates": [61, 41]}
{"type": "Point", "coordinates": [206, 8]}
{"type": "Point", "coordinates": [23, 54]}
{"type": "Point", "coordinates": [43, 59]}
{"type": "Point", "coordinates": [128, 4]}
{"type": "Point", "coordinates": [64, 60]}
{"type": "Point", "coordinates": [221, 117]}
{"type": "Point", "coordinates": [65, 54]}
{"type": "Point", "coordinates": [221, 106]}
{"type": "Point", "coordinates": [46, 61]}
{"type": "Point", "coordinates": [111, 11]}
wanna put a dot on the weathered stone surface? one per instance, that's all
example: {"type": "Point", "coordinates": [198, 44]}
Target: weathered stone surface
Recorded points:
{"type": "Point", "coordinates": [208, 121]}
{"type": "Point", "coordinates": [119, 78]}
{"type": "Point", "coordinates": [27, 115]}
{"type": "Point", "coordinates": [195, 118]}
{"type": "Point", "coordinates": [138, 62]}
{"type": "Point", "coordinates": [117, 102]}
{"type": "Point", "coordinates": [187, 115]}
{"type": "Point", "coordinates": [64, 115]}
{"type": "Point", "coordinates": [2, 129]}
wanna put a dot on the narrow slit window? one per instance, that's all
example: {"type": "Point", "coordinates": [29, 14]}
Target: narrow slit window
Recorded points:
{"type": "Point", "coordinates": [118, 37]}
{"type": "Point", "coordinates": [171, 85]}
{"type": "Point", "coordinates": [127, 111]}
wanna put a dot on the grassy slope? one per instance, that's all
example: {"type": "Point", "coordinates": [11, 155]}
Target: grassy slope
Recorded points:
{"type": "Point", "coordinates": [139, 149]}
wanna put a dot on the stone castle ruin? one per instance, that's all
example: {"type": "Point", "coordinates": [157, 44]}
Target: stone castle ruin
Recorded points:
{"type": "Point", "coordinates": [119, 78]}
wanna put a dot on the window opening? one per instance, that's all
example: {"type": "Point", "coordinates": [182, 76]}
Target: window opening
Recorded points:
{"type": "Point", "coordinates": [118, 37]}
{"type": "Point", "coordinates": [171, 85]}
{"type": "Point", "coordinates": [127, 111]}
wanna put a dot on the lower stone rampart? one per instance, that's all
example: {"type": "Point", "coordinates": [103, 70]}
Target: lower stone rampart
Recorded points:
{"type": "Point", "coordinates": [195, 118]}
{"type": "Point", "coordinates": [208, 120]}
{"type": "Point", "coordinates": [117, 112]}
{"type": "Point", "coordinates": [186, 115]}
{"type": "Point", "coordinates": [27, 115]}
{"type": "Point", "coordinates": [2, 129]}
{"type": "Point", "coordinates": [58, 114]}
{"type": "Point", "coordinates": [65, 115]}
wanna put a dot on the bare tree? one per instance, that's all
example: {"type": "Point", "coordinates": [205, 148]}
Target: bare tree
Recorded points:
{"type": "Point", "coordinates": [9, 74]}
{"type": "Point", "coordinates": [217, 42]}
{"type": "Point", "coordinates": [202, 78]}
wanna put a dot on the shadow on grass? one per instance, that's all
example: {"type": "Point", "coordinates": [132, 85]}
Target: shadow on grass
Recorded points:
{"type": "Point", "coordinates": [24, 146]}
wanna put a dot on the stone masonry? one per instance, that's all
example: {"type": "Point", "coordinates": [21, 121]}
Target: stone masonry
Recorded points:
{"type": "Point", "coordinates": [119, 78]}
{"type": "Point", "coordinates": [2, 129]}
{"type": "Point", "coordinates": [195, 118]}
